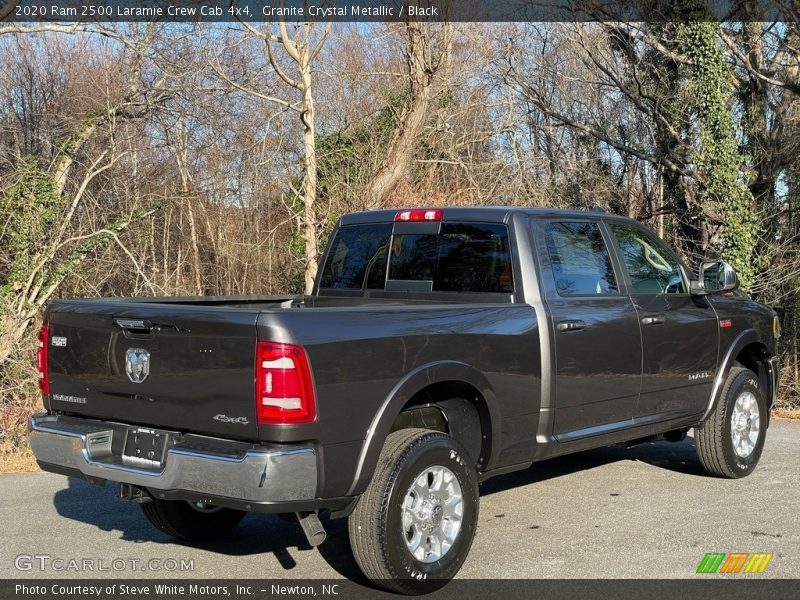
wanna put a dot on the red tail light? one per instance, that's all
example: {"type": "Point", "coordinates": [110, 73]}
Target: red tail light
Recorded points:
{"type": "Point", "coordinates": [284, 391]}
{"type": "Point", "coordinates": [419, 214]}
{"type": "Point", "coordinates": [41, 359]}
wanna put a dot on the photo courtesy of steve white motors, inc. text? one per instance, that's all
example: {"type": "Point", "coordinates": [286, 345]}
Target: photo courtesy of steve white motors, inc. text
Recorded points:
{"type": "Point", "coordinates": [172, 590]}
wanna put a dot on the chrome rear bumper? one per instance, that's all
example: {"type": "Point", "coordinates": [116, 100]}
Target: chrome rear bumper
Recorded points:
{"type": "Point", "coordinates": [198, 464]}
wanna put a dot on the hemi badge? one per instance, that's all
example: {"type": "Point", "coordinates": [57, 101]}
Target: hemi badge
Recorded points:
{"type": "Point", "coordinates": [725, 323]}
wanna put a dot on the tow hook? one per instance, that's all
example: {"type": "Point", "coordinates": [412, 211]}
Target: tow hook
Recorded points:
{"type": "Point", "coordinates": [134, 493]}
{"type": "Point", "coordinates": [312, 527]}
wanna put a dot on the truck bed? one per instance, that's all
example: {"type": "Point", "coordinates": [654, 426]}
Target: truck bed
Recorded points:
{"type": "Point", "coordinates": [202, 367]}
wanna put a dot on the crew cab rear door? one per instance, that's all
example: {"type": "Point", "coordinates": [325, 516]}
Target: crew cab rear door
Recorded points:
{"type": "Point", "coordinates": [680, 332]}
{"type": "Point", "coordinates": [598, 352]}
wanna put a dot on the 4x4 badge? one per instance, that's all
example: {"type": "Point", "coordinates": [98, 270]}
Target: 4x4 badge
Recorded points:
{"type": "Point", "coordinates": [232, 420]}
{"type": "Point", "coordinates": [137, 364]}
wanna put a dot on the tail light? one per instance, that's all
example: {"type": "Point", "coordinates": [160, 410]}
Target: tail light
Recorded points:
{"type": "Point", "coordinates": [284, 391]}
{"type": "Point", "coordinates": [41, 359]}
{"type": "Point", "coordinates": [419, 214]}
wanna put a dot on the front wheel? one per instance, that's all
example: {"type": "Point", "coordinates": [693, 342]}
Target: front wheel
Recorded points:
{"type": "Point", "coordinates": [413, 527]}
{"type": "Point", "coordinates": [729, 442]}
{"type": "Point", "coordinates": [192, 521]}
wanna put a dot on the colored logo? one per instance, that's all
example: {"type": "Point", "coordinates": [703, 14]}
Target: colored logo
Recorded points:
{"type": "Point", "coordinates": [735, 562]}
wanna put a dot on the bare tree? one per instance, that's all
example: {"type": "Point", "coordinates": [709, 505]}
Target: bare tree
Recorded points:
{"type": "Point", "coordinates": [42, 205]}
{"type": "Point", "coordinates": [301, 48]}
{"type": "Point", "coordinates": [424, 58]}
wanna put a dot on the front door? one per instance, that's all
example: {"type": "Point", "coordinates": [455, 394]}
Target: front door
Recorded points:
{"type": "Point", "coordinates": [598, 352]}
{"type": "Point", "coordinates": [680, 332]}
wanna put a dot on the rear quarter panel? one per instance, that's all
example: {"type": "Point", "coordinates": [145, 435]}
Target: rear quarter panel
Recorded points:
{"type": "Point", "coordinates": [358, 357]}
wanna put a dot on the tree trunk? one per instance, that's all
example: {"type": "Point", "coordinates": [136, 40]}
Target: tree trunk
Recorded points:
{"type": "Point", "coordinates": [181, 153]}
{"type": "Point", "coordinates": [310, 181]}
{"type": "Point", "coordinates": [198, 282]}
{"type": "Point", "coordinates": [401, 149]}
{"type": "Point", "coordinates": [754, 119]}
{"type": "Point", "coordinates": [67, 155]}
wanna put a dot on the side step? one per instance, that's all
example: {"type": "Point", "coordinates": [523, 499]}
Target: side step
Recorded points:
{"type": "Point", "coordinates": [675, 435]}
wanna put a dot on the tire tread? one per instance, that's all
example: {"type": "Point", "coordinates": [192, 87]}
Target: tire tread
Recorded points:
{"type": "Point", "coordinates": [710, 436]}
{"type": "Point", "coordinates": [365, 525]}
{"type": "Point", "coordinates": [156, 517]}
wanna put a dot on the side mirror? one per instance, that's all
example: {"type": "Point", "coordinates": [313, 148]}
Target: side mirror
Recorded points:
{"type": "Point", "coordinates": [715, 276]}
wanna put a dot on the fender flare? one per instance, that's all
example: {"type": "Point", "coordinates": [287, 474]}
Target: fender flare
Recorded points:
{"type": "Point", "coordinates": [398, 397]}
{"type": "Point", "coordinates": [746, 337]}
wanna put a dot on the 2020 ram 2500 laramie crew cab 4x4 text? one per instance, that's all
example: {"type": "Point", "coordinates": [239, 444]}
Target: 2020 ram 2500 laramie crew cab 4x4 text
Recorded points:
{"type": "Point", "coordinates": [439, 347]}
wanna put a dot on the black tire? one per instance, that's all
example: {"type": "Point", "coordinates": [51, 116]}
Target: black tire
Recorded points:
{"type": "Point", "coordinates": [714, 440]}
{"type": "Point", "coordinates": [183, 521]}
{"type": "Point", "coordinates": [376, 529]}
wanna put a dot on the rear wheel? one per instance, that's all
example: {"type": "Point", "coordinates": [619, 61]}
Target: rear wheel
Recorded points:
{"type": "Point", "coordinates": [729, 442]}
{"type": "Point", "coordinates": [413, 527]}
{"type": "Point", "coordinates": [191, 520]}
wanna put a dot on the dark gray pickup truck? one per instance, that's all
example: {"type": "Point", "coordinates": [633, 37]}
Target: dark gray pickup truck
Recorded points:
{"type": "Point", "coordinates": [440, 347]}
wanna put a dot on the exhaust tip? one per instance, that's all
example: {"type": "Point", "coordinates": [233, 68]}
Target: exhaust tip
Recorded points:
{"type": "Point", "coordinates": [312, 528]}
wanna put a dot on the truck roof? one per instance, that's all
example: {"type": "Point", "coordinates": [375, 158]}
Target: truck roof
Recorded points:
{"type": "Point", "coordinates": [499, 214]}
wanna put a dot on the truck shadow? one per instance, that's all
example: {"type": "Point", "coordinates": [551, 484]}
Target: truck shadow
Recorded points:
{"type": "Point", "coordinates": [679, 457]}
{"type": "Point", "coordinates": [256, 534]}
{"type": "Point", "coordinates": [262, 533]}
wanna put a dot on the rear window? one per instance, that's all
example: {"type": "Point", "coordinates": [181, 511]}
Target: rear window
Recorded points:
{"type": "Point", "coordinates": [463, 257]}
{"type": "Point", "coordinates": [358, 258]}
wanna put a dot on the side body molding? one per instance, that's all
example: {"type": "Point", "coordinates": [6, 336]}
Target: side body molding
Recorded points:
{"type": "Point", "coordinates": [406, 388]}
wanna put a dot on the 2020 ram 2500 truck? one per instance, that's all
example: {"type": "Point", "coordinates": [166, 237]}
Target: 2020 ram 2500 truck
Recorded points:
{"type": "Point", "coordinates": [439, 347]}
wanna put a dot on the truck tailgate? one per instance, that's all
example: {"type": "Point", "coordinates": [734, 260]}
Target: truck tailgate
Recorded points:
{"type": "Point", "coordinates": [199, 371]}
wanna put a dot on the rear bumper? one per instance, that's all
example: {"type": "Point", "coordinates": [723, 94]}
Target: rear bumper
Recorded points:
{"type": "Point", "coordinates": [219, 469]}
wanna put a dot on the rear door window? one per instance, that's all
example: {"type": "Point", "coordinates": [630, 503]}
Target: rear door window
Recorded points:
{"type": "Point", "coordinates": [580, 259]}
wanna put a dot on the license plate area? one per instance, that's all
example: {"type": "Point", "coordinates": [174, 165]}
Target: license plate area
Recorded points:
{"type": "Point", "coordinates": [144, 448]}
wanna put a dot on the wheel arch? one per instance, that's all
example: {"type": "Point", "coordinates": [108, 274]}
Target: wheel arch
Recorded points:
{"type": "Point", "coordinates": [455, 389]}
{"type": "Point", "coordinates": [748, 349]}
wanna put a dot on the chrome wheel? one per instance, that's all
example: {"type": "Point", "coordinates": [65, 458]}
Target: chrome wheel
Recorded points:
{"type": "Point", "coordinates": [432, 513]}
{"type": "Point", "coordinates": [745, 424]}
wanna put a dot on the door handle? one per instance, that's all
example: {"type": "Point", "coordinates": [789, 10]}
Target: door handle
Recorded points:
{"type": "Point", "coordinates": [571, 325]}
{"type": "Point", "coordinates": [653, 320]}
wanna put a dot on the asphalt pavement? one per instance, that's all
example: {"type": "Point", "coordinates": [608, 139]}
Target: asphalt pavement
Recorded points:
{"type": "Point", "coordinates": [643, 512]}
